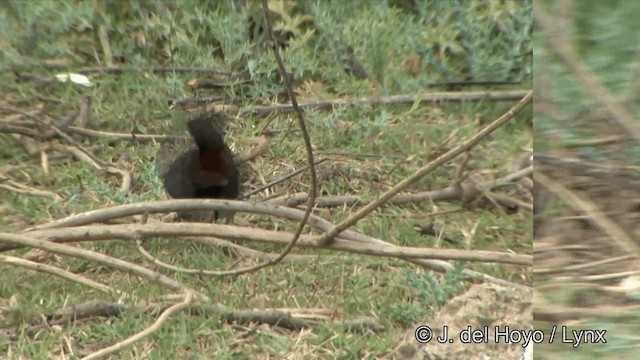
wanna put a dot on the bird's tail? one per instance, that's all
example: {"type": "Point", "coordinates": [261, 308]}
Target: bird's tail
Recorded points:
{"type": "Point", "coordinates": [205, 134]}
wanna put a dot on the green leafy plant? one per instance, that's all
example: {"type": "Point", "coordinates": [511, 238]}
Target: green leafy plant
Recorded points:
{"type": "Point", "coordinates": [430, 292]}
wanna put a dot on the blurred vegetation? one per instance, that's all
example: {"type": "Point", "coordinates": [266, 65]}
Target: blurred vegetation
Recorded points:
{"type": "Point", "coordinates": [606, 37]}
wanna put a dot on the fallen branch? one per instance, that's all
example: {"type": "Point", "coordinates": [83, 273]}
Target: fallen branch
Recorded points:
{"type": "Point", "coordinates": [146, 332]}
{"type": "Point", "coordinates": [122, 136]}
{"type": "Point", "coordinates": [448, 193]}
{"type": "Point", "coordinates": [289, 213]}
{"type": "Point", "coordinates": [48, 269]}
{"type": "Point", "coordinates": [18, 188]}
{"type": "Point", "coordinates": [290, 319]}
{"type": "Point", "coordinates": [393, 99]}
{"type": "Point", "coordinates": [84, 155]}
{"type": "Point", "coordinates": [127, 231]}
{"type": "Point", "coordinates": [282, 179]}
{"type": "Point", "coordinates": [157, 69]}
{"type": "Point", "coordinates": [22, 240]}
{"type": "Point", "coordinates": [239, 249]}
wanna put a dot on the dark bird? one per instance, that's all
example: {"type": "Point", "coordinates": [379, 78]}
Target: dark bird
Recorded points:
{"type": "Point", "coordinates": [207, 172]}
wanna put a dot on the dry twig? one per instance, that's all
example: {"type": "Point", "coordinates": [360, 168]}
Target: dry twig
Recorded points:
{"type": "Point", "coordinates": [393, 99]}
{"type": "Point", "coordinates": [106, 232]}
{"type": "Point", "coordinates": [48, 269]}
{"type": "Point", "coordinates": [28, 241]}
{"type": "Point", "coordinates": [292, 214]}
{"type": "Point", "coordinates": [189, 296]}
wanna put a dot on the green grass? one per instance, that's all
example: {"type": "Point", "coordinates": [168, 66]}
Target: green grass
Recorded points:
{"type": "Point", "coordinates": [454, 40]}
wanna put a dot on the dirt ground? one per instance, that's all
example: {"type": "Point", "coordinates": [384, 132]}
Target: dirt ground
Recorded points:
{"type": "Point", "coordinates": [483, 306]}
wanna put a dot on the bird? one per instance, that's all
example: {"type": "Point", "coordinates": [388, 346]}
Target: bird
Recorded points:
{"type": "Point", "coordinates": [207, 172]}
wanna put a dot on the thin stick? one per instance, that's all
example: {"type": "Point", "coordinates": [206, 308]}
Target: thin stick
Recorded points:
{"type": "Point", "coordinates": [121, 136]}
{"type": "Point", "coordinates": [27, 190]}
{"type": "Point", "coordinates": [177, 69]}
{"type": "Point", "coordinates": [106, 260]}
{"type": "Point", "coordinates": [84, 155]}
{"type": "Point", "coordinates": [146, 332]}
{"type": "Point", "coordinates": [394, 99]}
{"type": "Point", "coordinates": [103, 36]}
{"type": "Point", "coordinates": [448, 193]}
{"type": "Point", "coordinates": [180, 269]}
{"type": "Point", "coordinates": [590, 265]}
{"type": "Point", "coordinates": [307, 142]}
{"type": "Point", "coordinates": [48, 269]}
{"type": "Point", "coordinates": [292, 214]}
{"type": "Point", "coordinates": [140, 231]}
{"type": "Point", "coordinates": [281, 179]}
{"type": "Point", "coordinates": [195, 229]}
